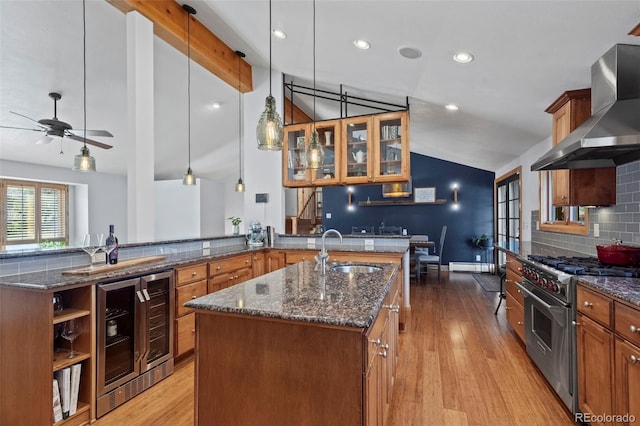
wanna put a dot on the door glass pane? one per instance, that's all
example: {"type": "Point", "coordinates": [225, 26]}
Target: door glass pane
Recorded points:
{"type": "Point", "coordinates": [296, 169]}
{"type": "Point", "coordinates": [120, 335]}
{"type": "Point", "coordinates": [390, 147]}
{"type": "Point", "coordinates": [514, 190]}
{"type": "Point", "coordinates": [326, 136]}
{"type": "Point", "coordinates": [158, 318]}
{"type": "Point", "coordinates": [542, 326]}
{"type": "Point", "coordinates": [357, 135]}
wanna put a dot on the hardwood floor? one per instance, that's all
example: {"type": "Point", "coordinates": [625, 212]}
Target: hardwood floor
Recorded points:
{"type": "Point", "coordinates": [459, 365]}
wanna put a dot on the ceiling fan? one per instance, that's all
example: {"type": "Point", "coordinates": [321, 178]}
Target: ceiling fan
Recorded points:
{"type": "Point", "coordinates": [54, 128]}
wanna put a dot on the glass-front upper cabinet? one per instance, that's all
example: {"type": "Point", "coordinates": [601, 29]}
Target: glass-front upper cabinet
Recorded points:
{"type": "Point", "coordinates": [329, 136]}
{"type": "Point", "coordinates": [357, 165]}
{"type": "Point", "coordinates": [296, 138]}
{"type": "Point", "coordinates": [391, 147]}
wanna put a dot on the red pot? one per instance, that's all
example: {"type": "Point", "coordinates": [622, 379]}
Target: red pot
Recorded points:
{"type": "Point", "coordinates": [618, 254]}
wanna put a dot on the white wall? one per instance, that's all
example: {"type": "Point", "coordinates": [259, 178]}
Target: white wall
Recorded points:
{"type": "Point", "coordinates": [104, 200]}
{"type": "Point", "coordinates": [529, 183]}
{"type": "Point", "coordinates": [212, 203]}
{"type": "Point", "coordinates": [177, 210]}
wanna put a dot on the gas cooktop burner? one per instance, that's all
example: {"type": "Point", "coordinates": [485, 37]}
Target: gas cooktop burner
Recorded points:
{"type": "Point", "coordinates": [586, 266]}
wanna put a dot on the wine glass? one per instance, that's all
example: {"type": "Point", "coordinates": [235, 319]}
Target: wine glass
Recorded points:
{"type": "Point", "coordinates": [70, 330]}
{"type": "Point", "coordinates": [91, 244]}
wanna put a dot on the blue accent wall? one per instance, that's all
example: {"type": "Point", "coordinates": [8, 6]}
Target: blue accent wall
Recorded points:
{"type": "Point", "coordinates": [474, 215]}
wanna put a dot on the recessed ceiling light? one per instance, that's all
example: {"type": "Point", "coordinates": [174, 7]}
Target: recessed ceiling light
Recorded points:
{"type": "Point", "coordinates": [410, 52]}
{"type": "Point", "coordinates": [216, 105]}
{"type": "Point", "coordinates": [362, 44]}
{"type": "Point", "coordinates": [463, 57]}
{"type": "Point", "coordinates": [279, 33]}
{"type": "Point", "coordinates": [452, 107]}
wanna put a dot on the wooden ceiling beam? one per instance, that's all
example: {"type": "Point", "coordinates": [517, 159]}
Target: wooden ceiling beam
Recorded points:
{"type": "Point", "coordinates": [170, 24]}
{"type": "Point", "coordinates": [635, 31]}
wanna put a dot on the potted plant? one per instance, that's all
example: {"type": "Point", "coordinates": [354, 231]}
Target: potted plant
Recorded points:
{"type": "Point", "coordinates": [235, 221]}
{"type": "Point", "coordinates": [482, 241]}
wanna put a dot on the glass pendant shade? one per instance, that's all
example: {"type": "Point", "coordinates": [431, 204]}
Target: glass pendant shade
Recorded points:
{"type": "Point", "coordinates": [315, 152]}
{"type": "Point", "coordinates": [240, 186]}
{"type": "Point", "coordinates": [270, 132]}
{"type": "Point", "coordinates": [189, 178]}
{"type": "Point", "coordinates": [84, 162]}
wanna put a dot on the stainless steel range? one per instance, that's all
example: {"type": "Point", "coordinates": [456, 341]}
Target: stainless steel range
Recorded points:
{"type": "Point", "coordinates": [549, 305]}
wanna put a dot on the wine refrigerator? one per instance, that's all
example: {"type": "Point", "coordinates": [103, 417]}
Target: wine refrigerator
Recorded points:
{"type": "Point", "coordinates": [134, 337]}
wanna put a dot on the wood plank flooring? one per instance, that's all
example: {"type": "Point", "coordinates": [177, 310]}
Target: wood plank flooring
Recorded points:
{"type": "Point", "coordinates": [459, 365]}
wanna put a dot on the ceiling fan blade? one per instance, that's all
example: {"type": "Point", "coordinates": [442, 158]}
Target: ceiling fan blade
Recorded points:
{"type": "Point", "coordinates": [22, 128]}
{"type": "Point", "coordinates": [29, 118]}
{"type": "Point", "coordinates": [44, 140]}
{"type": "Point", "coordinates": [102, 133]}
{"type": "Point", "coordinates": [89, 141]}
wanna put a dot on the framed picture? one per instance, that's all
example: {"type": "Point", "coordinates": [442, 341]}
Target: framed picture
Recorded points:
{"type": "Point", "coordinates": [300, 142]}
{"type": "Point", "coordinates": [425, 195]}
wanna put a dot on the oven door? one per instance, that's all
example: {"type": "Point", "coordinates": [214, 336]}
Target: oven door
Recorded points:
{"type": "Point", "coordinates": [547, 324]}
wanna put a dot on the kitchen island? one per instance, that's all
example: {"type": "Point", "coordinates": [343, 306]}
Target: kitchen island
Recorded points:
{"type": "Point", "coordinates": [296, 347]}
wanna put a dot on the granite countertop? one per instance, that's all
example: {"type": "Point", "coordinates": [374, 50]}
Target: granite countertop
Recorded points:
{"type": "Point", "coordinates": [299, 293]}
{"type": "Point", "coordinates": [627, 289]}
{"type": "Point", "coordinates": [55, 280]}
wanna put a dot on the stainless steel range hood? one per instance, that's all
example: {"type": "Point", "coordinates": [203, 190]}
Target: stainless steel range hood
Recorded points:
{"type": "Point", "coordinates": [611, 136]}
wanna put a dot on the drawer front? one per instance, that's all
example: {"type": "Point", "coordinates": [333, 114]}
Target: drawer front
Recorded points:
{"type": "Point", "coordinates": [229, 264]}
{"type": "Point", "coordinates": [514, 291]}
{"type": "Point", "coordinates": [594, 305]}
{"type": "Point", "coordinates": [191, 273]}
{"type": "Point", "coordinates": [627, 322]}
{"type": "Point", "coordinates": [292, 257]}
{"type": "Point", "coordinates": [241, 275]}
{"type": "Point", "coordinates": [514, 264]}
{"type": "Point", "coordinates": [186, 331]}
{"type": "Point", "coordinates": [515, 316]}
{"type": "Point", "coordinates": [189, 292]}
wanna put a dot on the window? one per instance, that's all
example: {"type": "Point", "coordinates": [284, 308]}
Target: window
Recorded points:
{"type": "Point", "coordinates": [507, 209]}
{"type": "Point", "coordinates": [559, 218]}
{"type": "Point", "coordinates": [33, 213]}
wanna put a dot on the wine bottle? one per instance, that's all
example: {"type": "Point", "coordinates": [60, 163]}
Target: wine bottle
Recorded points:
{"type": "Point", "coordinates": [112, 242]}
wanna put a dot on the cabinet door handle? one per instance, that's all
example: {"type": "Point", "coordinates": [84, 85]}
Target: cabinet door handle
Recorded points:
{"type": "Point", "coordinates": [376, 342]}
{"type": "Point", "coordinates": [520, 323]}
{"type": "Point", "coordinates": [194, 273]}
{"type": "Point", "coordinates": [194, 297]}
{"type": "Point", "coordinates": [508, 308]}
{"type": "Point", "coordinates": [575, 323]}
{"type": "Point", "coordinates": [587, 304]}
{"type": "Point", "coordinates": [246, 261]}
{"type": "Point", "coordinates": [140, 297]}
{"type": "Point", "coordinates": [633, 329]}
{"type": "Point", "coordinates": [385, 346]}
{"type": "Point", "coordinates": [146, 294]}
{"type": "Point", "coordinates": [383, 354]}
{"type": "Point", "coordinates": [218, 268]}
{"type": "Point", "coordinates": [633, 359]}
{"type": "Point", "coordinates": [393, 308]}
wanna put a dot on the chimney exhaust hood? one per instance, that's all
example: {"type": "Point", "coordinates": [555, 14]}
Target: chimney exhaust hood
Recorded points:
{"type": "Point", "coordinates": [611, 136]}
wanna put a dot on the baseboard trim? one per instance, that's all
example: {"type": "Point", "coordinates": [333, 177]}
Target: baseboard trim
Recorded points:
{"type": "Point", "coordinates": [470, 267]}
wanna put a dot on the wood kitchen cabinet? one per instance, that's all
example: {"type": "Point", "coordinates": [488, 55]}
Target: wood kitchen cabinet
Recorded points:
{"type": "Point", "coordinates": [191, 283]}
{"type": "Point", "coordinates": [229, 271]}
{"type": "Point", "coordinates": [296, 141]}
{"type": "Point", "coordinates": [608, 346]}
{"type": "Point", "coordinates": [257, 264]}
{"type": "Point", "coordinates": [364, 149]}
{"type": "Point", "coordinates": [514, 299]}
{"type": "Point", "coordinates": [28, 324]}
{"type": "Point", "coordinates": [578, 187]}
{"type": "Point", "coordinates": [274, 260]}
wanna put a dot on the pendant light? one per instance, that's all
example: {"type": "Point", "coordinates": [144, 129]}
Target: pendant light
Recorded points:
{"type": "Point", "coordinates": [189, 178]}
{"type": "Point", "coordinates": [84, 162]}
{"type": "Point", "coordinates": [269, 132]}
{"type": "Point", "coordinates": [315, 152]}
{"type": "Point", "coordinates": [240, 184]}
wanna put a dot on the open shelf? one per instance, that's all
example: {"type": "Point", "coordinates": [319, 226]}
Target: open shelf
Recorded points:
{"type": "Point", "coordinates": [69, 314]}
{"type": "Point", "coordinates": [82, 409]}
{"type": "Point", "coordinates": [61, 361]}
{"type": "Point", "coordinates": [398, 203]}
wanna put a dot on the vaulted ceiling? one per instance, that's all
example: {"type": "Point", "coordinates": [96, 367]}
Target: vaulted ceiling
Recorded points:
{"type": "Point", "coordinates": [526, 54]}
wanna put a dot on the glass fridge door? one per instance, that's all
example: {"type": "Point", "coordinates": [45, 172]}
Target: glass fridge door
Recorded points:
{"type": "Point", "coordinates": [118, 347]}
{"type": "Point", "coordinates": [158, 312]}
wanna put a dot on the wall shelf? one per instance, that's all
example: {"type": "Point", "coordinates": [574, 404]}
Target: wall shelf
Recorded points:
{"type": "Point", "coordinates": [398, 203]}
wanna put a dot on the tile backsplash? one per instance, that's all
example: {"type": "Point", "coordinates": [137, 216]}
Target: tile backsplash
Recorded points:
{"type": "Point", "coordinates": [621, 221]}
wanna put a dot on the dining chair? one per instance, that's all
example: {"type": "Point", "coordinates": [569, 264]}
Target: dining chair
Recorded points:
{"type": "Point", "coordinates": [424, 260]}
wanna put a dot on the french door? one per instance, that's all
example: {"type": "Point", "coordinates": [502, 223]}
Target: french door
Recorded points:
{"type": "Point", "coordinates": [507, 211]}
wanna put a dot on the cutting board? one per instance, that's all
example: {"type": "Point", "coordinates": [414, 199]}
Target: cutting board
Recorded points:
{"type": "Point", "coordinates": [101, 269]}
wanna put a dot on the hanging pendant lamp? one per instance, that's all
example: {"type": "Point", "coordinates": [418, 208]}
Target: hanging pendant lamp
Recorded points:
{"type": "Point", "coordinates": [189, 178]}
{"type": "Point", "coordinates": [240, 185]}
{"type": "Point", "coordinates": [84, 162]}
{"type": "Point", "coordinates": [270, 132]}
{"type": "Point", "coordinates": [315, 152]}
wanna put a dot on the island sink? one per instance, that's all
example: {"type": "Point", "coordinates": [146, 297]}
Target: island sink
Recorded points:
{"type": "Point", "coordinates": [356, 269]}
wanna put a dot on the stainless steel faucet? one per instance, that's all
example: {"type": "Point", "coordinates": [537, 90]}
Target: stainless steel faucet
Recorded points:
{"type": "Point", "coordinates": [321, 258]}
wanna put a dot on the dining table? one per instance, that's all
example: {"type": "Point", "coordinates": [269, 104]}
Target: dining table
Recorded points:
{"type": "Point", "coordinates": [418, 241]}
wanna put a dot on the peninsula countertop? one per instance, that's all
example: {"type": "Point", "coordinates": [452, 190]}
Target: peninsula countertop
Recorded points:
{"type": "Point", "coordinates": [300, 293]}
{"type": "Point", "coordinates": [54, 279]}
